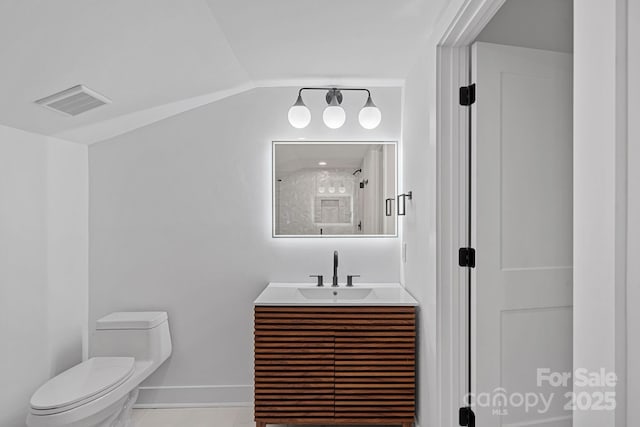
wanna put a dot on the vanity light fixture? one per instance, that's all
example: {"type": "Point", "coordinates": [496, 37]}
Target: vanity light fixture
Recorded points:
{"type": "Point", "coordinates": [322, 163]}
{"type": "Point", "coordinates": [370, 115]}
{"type": "Point", "coordinates": [299, 114]}
{"type": "Point", "coordinates": [334, 115]}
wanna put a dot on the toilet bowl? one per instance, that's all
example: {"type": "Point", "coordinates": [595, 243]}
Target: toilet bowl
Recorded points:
{"type": "Point", "coordinates": [100, 392]}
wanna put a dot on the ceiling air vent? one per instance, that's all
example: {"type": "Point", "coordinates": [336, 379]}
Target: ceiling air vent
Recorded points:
{"type": "Point", "coordinates": [74, 101]}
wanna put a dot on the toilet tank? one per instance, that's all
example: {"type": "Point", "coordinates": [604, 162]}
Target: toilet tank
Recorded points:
{"type": "Point", "coordinates": [143, 335]}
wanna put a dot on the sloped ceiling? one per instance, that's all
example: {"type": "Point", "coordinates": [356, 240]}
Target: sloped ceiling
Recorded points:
{"type": "Point", "coordinates": [276, 39]}
{"type": "Point", "coordinates": [155, 58]}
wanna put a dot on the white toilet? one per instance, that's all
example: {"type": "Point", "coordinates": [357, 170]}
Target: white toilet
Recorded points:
{"type": "Point", "coordinates": [100, 392]}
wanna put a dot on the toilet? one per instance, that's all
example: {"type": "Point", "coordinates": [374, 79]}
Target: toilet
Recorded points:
{"type": "Point", "coordinates": [100, 392]}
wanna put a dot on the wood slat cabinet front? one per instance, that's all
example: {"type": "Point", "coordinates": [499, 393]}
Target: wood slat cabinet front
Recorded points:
{"type": "Point", "coordinates": [335, 365]}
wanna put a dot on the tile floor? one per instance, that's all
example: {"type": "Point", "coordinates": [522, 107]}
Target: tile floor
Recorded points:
{"type": "Point", "coordinates": [196, 417]}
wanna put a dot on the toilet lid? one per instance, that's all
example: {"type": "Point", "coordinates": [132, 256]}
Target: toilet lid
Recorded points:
{"type": "Point", "coordinates": [90, 379]}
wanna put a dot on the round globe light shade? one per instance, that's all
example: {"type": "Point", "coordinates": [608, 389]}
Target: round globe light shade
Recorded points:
{"type": "Point", "coordinates": [299, 116]}
{"type": "Point", "coordinates": [334, 116]}
{"type": "Point", "coordinates": [370, 117]}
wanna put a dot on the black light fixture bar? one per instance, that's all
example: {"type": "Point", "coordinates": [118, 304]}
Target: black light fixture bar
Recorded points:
{"type": "Point", "coordinates": [335, 89]}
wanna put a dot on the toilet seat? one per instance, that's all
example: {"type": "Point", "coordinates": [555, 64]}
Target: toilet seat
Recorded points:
{"type": "Point", "coordinates": [81, 384]}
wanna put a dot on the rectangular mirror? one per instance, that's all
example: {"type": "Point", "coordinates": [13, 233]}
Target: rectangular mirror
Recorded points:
{"type": "Point", "coordinates": [334, 189]}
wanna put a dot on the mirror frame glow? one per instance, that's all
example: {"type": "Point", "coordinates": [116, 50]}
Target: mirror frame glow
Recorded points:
{"type": "Point", "coordinates": [342, 142]}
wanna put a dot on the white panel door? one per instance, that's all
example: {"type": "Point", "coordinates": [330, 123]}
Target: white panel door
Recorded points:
{"type": "Point", "coordinates": [522, 232]}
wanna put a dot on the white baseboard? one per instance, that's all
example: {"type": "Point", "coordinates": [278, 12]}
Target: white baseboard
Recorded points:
{"type": "Point", "coordinates": [563, 420]}
{"type": "Point", "coordinates": [195, 396]}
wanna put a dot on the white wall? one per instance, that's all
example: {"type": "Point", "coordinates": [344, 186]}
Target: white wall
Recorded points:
{"type": "Point", "coordinates": [537, 24]}
{"type": "Point", "coordinates": [633, 226]}
{"type": "Point", "coordinates": [419, 225]}
{"type": "Point", "coordinates": [43, 263]}
{"type": "Point", "coordinates": [601, 195]}
{"type": "Point", "coordinates": [67, 189]}
{"type": "Point", "coordinates": [181, 221]}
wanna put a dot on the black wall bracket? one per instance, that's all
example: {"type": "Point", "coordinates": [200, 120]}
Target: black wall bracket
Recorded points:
{"type": "Point", "coordinates": [402, 202]}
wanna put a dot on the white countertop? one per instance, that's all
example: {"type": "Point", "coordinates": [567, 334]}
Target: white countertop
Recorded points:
{"type": "Point", "coordinates": [361, 294]}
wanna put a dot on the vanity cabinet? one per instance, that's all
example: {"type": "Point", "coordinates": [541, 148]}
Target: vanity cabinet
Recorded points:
{"type": "Point", "coordinates": [335, 365]}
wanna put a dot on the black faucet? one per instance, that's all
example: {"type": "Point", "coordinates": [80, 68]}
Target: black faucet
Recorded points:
{"type": "Point", "coordinates": [335, 269]}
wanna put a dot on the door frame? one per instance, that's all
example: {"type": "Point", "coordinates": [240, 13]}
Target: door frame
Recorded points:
{"type": "Point", "coordinates": [453, 65]}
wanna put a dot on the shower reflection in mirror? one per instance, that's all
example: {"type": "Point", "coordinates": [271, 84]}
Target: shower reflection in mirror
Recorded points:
{"type": "Point", "coordinates": [324, 189]}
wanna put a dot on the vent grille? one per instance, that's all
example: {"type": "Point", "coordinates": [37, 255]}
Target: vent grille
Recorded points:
{"type": "Point", "coordinates": [74, 101]}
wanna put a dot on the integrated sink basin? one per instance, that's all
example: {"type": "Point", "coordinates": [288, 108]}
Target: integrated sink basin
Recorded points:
{"type": "Point", "coordinates": [335, 293]}
{"type": "Point", "coordinates": [380, 294]}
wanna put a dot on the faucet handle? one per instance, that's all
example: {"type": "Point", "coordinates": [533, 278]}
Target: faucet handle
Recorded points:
{"type": "Point", "coordinates": [350, 279]}
{"type": "Point", "coordinates": [319, 277]}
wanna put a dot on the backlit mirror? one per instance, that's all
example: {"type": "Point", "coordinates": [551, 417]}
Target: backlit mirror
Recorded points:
{"type": "Point", "coordinates": [334, 189]}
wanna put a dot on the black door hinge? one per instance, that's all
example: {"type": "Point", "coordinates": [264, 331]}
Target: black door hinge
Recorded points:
{"type": "Point", "coordinates": [467, 257]}
{"type": "Point", "coordinates": [466, 417]}
{"type": "Point", "coordinates": [468, 94]}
